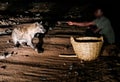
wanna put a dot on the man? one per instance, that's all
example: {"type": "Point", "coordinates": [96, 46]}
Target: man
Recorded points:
{"type": "Point", "coordinates": [103, 26]}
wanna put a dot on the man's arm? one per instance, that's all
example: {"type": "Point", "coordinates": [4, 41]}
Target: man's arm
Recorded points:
{"type": "Point", "coordinates": [81, 24]}
{"type": "Point", "coordinates": [97, 30]}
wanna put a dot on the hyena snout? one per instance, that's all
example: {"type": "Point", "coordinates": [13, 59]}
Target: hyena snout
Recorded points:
{"type": "Point", "coordinates": [42, 30]}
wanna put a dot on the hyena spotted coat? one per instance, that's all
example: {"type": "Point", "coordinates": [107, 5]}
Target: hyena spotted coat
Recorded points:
{"type": "Point", "coordinates": [26, 32]}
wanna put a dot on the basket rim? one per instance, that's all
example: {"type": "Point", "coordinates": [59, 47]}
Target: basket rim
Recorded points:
{"type": "Point", "coordinates": [88, 38]}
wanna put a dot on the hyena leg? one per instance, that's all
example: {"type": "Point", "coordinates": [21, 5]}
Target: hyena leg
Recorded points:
{"type": "Point", "coordinates": [15, 40]}
{"type": "Point", "coordinates": [16, 43]}
{"type": "Point", "coordinates": [29, 42]}
{"type": "Point", "coordinates": [21, 43]}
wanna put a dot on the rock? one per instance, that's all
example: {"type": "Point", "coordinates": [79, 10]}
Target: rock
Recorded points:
{"type": "Point", "coordinates": [110, 50]}
{"type": "Point", "coordinates": [3, 67]}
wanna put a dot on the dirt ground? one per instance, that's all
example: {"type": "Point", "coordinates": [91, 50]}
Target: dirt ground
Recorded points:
{"type": "Point", "coordinates": [29, 66]}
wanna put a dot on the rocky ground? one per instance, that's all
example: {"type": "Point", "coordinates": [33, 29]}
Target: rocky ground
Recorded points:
{"type": "Point", "coordinates": [26, 65]}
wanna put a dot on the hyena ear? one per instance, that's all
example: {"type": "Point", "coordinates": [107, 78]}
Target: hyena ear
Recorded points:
{"type": "Point", "coordinates": [36, 23]}
{"type": "Point", "coordinates": [41, 22]}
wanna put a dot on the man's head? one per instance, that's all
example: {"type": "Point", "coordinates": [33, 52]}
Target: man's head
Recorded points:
{"type": "Point", "coordinates": [98, 13]}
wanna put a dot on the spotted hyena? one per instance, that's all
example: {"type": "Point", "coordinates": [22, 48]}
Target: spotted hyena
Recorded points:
{"type": "Point", "coordinates": [24, 33]}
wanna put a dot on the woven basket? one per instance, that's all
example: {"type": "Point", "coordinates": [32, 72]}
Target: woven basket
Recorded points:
{"type": "Point", "coordinates": [85, 48]}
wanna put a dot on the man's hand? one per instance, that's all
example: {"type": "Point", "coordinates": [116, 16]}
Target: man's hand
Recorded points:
{"type": "Point", "coordinates": [70, 23]}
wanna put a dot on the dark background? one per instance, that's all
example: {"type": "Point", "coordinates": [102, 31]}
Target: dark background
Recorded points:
{"type": "Point", "coordinates": [61, 7]}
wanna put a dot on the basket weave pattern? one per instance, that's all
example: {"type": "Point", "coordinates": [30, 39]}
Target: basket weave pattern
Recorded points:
{"type": "Point", "coordinates": [87, 51]}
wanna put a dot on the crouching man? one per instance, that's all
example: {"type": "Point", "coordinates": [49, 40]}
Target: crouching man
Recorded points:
{"type": "Point", "coordinates": [103, 26]}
